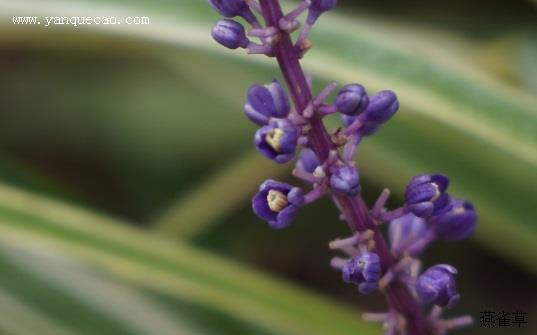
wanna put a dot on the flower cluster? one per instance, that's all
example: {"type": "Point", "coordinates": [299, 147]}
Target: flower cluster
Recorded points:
{"type": "Point", "coordinates": [326, 162]}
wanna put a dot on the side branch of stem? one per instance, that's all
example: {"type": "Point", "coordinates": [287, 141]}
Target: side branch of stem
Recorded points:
{"type": "Point", "coordinates": [354, 209]}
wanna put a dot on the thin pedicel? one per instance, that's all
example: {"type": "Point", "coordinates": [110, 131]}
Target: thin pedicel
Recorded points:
{"type": "Point", "coordinates": [327, 163]}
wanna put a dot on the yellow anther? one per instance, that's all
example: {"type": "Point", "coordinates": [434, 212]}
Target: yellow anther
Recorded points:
{"type": "Point", "coordinates": [274, 139]}
{"type": "Point", "coordinates": [319, 172]}
{"type": "Point", "coordinates": [276, 201]}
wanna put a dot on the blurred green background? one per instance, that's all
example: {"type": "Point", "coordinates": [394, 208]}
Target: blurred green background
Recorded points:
{"type": "Point", "coordinates": [126, 166]}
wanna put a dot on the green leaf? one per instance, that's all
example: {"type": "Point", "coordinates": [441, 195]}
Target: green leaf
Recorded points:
{"type": "Point", "coordinates": [32, 226]}
{"type": "Point", "coordinates": [111, 300]}
{"type": "Point", "coordinates": [21, 318]}
{"type": "Point", "coordinates": [527, 54]}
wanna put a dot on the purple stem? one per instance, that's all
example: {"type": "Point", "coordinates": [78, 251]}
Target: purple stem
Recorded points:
{"type": "Point", "coordinates": [380, 203]}
{"type": "Point", "coordinates": [353, 209]}
{"type": "Point", "coordinates": [324, 93]}
{"type": "Point", "coordinates": [315, 194]}
{"type": "Point", "coordinates": [392, 215]}
{"type": "Point", "coordinates": [416, 245]}
{"type": "Point", "coordinates": [327, 109]}
{"type": "Point", "coordinates": [350, 148]}
{"type": "Point", "coordinates": [353, 127]}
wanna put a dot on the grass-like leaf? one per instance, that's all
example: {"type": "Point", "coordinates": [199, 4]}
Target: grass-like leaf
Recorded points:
{"type": "Point", "coordinates": [138, 259]}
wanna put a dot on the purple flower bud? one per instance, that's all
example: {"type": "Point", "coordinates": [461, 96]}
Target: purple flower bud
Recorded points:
{"type": "Point", "coordinates": [318, 7]}
{"type": "Point", "coordinates": [352, 99]}
{"type": "Point", "coordinates": [277, 140]}
{"type": "Point", "coordinates": [230, 8]}
{"type": "Point", "coordinates": [456, 222]}
{"type": "Point", "coordinates": [345, 180]}
{"type": "Point", "coordinates": [426, 195]}
{"type": "Point", "coordinates": [406, 230]}
{"type": "Point", "coordinates": [382, 106]}
{"type": "Point", "coordinates": [277, 203]}
{"type": "Point", "coordinates": [230, 34]}
{"type": "Point", "coordinates": [364, 271]}
{"type": "Point", "coordinates": [264, 102]}
{"type": "Point", "coordinates": [437, 285]}
{"type": "Point", "coordinates": [308, 161]}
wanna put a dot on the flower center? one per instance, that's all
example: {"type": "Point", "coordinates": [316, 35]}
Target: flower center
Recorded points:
{"type": "Point", "coordinates": [274, 139]}
{"type": "Point", "coordinates": [276, 201]}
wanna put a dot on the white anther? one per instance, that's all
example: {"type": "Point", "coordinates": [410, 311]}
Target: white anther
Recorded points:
{"type": "Point", "coordinates": [319, 172]}
{"type": "Point", "coordinates": [436, 192]}
{"type": "Point", "coordinates": [274, 138]}
{"type": "Point", "coordinates": [276, 200]}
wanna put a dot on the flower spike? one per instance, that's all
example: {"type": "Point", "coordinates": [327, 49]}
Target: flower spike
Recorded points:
{"type": "Point", "coordinates": [327, 165]}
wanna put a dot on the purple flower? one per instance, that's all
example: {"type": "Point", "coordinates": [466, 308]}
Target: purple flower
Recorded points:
{"type": "Point", "coordinates": [308, 161]}
{"type": "Point", "coordinates": [456, 222]}
{"type": "Point", "coordinates": [382, 106]}
{"type": "Point", "coordinates": [230, 8]}
{"type": "Point", "coordinates": [230, 34]}
{"type": "Point", "coordinates": [352, 99]}
{"type": "Point", "coordinates": [364, 271]}
{"type": "Point", "coordinates": [405, 231]}
{"type": "Point", "coordinates": [345, 180]}
{"type": "Point", "coordinates": [437, 285]}
{"type": "Point", "coordinates": [277, 140]}
{"type": "Point", "coordinates": [426, 195]}
{"type": "Point", "coordinates": [264, 102]}
{"type": "Point", "coordinates": [277, 203]}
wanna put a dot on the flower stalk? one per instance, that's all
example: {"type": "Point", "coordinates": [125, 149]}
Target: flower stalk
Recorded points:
{"type": "Point", "coordinates": [353, 208]}
{"type": "Point", "coordinates": [327, 162]}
